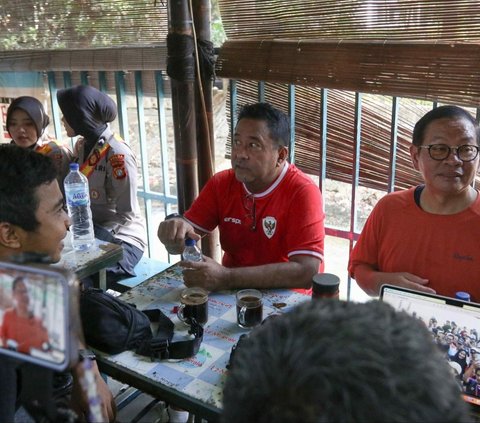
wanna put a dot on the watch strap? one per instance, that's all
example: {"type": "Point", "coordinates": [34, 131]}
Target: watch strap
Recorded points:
{"type": "Point", "coordinates": [173, 216]}
{"type": "Point", "coordinates": [86, 353]}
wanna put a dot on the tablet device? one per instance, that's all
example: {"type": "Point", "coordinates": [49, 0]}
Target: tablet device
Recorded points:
{"type": "Point", "coordinates": [454, 325]}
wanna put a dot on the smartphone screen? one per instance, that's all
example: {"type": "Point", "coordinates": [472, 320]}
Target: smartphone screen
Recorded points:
{"type": "Point", "coordinates": [35, 315]}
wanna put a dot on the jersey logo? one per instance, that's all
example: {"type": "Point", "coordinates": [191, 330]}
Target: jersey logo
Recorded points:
{"type": "Point", "coordinates": [269, 225]}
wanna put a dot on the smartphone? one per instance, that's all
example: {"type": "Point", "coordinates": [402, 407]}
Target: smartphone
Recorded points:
{"type": "Point", "coordinates": [39, 318]}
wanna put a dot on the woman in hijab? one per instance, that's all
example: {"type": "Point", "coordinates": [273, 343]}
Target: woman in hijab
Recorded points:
{"type": "Point", "coordinates": [461, 358]}
{"type": "Point", "coordinates": [111, 168]}
{"type": "Point", "coordinates": [26, 123]}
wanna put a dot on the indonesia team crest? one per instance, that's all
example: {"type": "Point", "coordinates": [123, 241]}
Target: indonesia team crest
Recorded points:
{"type": "Point", "coordinates": [269, 225]}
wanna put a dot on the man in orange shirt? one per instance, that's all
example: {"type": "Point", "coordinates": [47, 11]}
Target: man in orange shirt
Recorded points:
{"type": "Point", "coordinates": [20, 329]}
{"type": "Point", "coordinates": [426, 238]}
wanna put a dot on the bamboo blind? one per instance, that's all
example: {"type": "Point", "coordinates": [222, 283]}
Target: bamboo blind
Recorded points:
{"type": "Point", "coordinates": [452, 20]}
{"type": "Point", "coordinates": [441, 71]}
{"type": "Point", "coordinates": [152, 57]}
{"type": "Point", "coordinates": [416, 49]}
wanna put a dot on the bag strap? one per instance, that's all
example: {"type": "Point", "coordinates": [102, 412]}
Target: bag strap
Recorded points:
{"type": "Point", "coordinates": [161, 347]}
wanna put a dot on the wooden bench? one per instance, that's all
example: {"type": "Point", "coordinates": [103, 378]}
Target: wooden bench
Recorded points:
{"type": "Point", "coordinates": [145, 268]}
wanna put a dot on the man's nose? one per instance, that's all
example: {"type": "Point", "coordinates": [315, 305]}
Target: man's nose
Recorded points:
{"type": "Point", "coordinates": [240, 150]}
{"type": "Point", "coordinates": [453, 155]}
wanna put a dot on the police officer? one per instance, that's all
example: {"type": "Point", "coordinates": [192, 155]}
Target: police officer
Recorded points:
{"type": "Point", "coordinates": [111, 168]}
{"type": "Point", "coordinates": [26, 123]}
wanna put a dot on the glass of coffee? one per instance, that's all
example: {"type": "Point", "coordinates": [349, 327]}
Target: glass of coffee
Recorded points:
{"type": "Point", "coordinates": [193, 304]}
{"type": "Point", "coordinates": [249, 308]}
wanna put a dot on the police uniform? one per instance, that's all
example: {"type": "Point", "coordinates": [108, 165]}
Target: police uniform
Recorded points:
{"type": "Point", "coordinates": [60, 155]}
{"type": "Point", "coordinates": [111, 170]}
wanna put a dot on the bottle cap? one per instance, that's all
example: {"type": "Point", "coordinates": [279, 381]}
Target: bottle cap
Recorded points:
{"type": "Point", "coordinates": [189, 242]}
{"type": "Point", "coordinates": [74, 166]}
{"type": "Point", "coordinates": [461, 295]}
{"type": "Point", "coordinates": [325, 283]}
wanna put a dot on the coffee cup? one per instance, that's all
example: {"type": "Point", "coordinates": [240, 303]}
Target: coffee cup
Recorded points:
{"type": "Point", "coordinates": [193, 304]}
{"type": "Point", "coordinates": [249, 308]}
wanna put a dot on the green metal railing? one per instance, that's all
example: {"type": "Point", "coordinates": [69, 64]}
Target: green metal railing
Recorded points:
{"type": "Point", "coordinates": [157, 183]}
{"type": "Point", "coordinates": [149, 196]}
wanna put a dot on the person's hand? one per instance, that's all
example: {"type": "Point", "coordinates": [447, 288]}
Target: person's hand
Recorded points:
{"type": "Point", "coordinates": [172, 234]}
{"type": "Point", "coordinates": [371, 280]}
{"type": "Point", "coordinates": [109, 408]}
{"type": "Point", "coordinates": [79, 401]}
{"type": "Point", "coordinates": [207, 274]}
{"type": "Point", "coordinates": [406, 280]}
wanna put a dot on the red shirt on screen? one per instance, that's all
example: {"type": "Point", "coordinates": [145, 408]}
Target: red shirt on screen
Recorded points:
{"type": "Point", "coordinates": [27, 332]}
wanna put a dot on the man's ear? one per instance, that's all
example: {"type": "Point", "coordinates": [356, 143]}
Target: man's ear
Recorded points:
{"type": "Point", "coordinates": [9, 236]}
{"type": "Point", "coordinates": [282, 154]}
{"type": "Point", "coordinates": [414, 156]}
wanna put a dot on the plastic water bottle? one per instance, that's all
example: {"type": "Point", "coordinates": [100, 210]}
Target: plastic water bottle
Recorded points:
{"type": "Point", "coordinates": [191, 252]}
{"type": "Point", "coordinates": [78, 204]}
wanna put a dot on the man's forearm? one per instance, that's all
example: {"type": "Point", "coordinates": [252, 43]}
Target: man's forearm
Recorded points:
{"type": "Point", "coordinates": [275, 275]}
{"type": "Point", "coordinates": [368, 279]}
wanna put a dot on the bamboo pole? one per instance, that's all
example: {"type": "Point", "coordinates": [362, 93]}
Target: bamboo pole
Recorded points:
{"type": "Point", "coordinates": [204, 119]}
{"type": "Point", "coordinates": [183, 109]}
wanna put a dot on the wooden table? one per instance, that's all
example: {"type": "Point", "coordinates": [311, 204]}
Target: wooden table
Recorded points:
{"type": "Point", "coordinates": [94, 260]}
{"type": "Point", "coordinates": [194, 384]}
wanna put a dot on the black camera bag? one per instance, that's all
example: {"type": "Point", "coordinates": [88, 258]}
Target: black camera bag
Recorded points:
{"type": "Point", "coordinates": [113, 326]}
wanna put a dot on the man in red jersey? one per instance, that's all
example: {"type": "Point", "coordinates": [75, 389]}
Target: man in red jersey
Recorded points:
{"type": "Point", "coordinates": [269, 213]}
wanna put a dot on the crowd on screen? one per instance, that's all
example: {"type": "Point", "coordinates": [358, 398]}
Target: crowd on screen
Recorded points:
{"type": "Point", "coordinates": [461, 346]}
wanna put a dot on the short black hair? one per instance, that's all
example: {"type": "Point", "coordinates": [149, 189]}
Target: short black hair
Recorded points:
{"type": "Point", "coordinates": [17, 281]}
{"type": "Point", "coordinates": [452, 112]}
{"type": "Point", "coordinates": [337, 361]}
{"type": "Point", "coordinates": [22, 171]}
{"type": "Point", "coordinates": [277, 121]}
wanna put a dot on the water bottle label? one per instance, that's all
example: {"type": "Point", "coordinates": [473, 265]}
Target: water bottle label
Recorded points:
{"type": "Point", "coordinates": [77, 198]}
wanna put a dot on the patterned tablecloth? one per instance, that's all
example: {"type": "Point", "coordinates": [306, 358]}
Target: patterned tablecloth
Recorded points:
{"type": "Point", "coordinates": [95, 259]}
{"type": "Point", "coordinates": [200, 377]}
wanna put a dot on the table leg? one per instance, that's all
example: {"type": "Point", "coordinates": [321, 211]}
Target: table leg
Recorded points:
{"type": "Point", "coordinates": [102, 279]}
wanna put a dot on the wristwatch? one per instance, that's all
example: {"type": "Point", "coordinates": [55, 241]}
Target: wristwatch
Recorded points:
{"type": "Point", "coordinates": [84, 353]}
{"type": "Point", "coordinates": [173, 216]}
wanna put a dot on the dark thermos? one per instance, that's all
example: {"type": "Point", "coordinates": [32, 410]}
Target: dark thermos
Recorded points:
{"type": "Point", "coordinates": [325, 285]}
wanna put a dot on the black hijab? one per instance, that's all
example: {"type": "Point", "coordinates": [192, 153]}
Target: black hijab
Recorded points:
{"type": "Point", "coordinates": [461, 361]}
{"type": "Point", "coordinates": [33, 108]}
{"type": "Point", "coordinates": [87, 110]}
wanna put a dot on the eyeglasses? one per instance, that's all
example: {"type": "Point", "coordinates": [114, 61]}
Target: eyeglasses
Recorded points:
{"type": "Point", "coordinates": [466, 153]}
{"type": "Point", "coordinates": [249, 204]}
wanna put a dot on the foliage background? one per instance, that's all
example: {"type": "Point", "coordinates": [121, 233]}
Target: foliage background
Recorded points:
{"type": "Point", "coordinates": [70, 24]}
